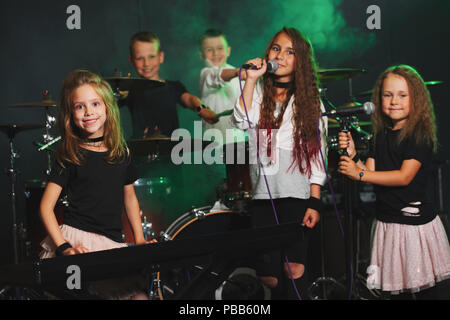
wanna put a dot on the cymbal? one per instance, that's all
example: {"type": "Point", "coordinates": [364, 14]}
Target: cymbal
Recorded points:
{"type": "Point", "coordinates": [427, 83]}
{"type": "Point", "coordinates": [350, 105]}
{"type": "Point", "coordinates": [12, 129]}
{"type": "Point", "coordinates": [364, 123]}
{"type": "Point", "coordinates": [331, 120]}
{"type": "Point", "coordinates": [433, 83]}
{"type": "Point", "coordinates": [329, 75]}
{"type": "Point", "coordinates": [358, 123]}
{"type": "Point", "coordinates": [41, 104]}
{"type": "Point", "coordinates": [127, 83]}
{"type": "Point", "coordinates": [163, 145]}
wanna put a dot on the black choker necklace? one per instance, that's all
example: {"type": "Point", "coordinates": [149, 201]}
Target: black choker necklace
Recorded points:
{"type": "Point", "coordinates": [95, 139]}
{"type": "Point", "coordinates": [283, 85]}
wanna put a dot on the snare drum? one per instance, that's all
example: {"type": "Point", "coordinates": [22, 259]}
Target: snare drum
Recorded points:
{"type": "Point", "coordinates": [199, 221]}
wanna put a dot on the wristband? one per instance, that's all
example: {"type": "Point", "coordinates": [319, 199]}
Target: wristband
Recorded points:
{"type": "Point", "coordinates": [356, 158]}
{"type": "Point", "coordinates": [59, 250]}
{"type": "Point", "coordinates": [199, 108]}
{"type": "Point", "coordinates": [316, 204]}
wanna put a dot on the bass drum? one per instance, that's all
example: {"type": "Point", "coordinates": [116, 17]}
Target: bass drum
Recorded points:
{"type": "Point", "coordinates": [242, 283]}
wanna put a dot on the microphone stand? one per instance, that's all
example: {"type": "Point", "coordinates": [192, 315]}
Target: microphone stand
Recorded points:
{"type": "Point", "coordinates": [349, 190]}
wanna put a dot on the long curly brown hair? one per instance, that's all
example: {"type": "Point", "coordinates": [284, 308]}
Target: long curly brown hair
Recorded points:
{"type": "Point", "coordinates": [421, 123]}
{"type": "Point", "coordinates": [71, 138]}
{"type": "Point", "coordinates": [306, 106]}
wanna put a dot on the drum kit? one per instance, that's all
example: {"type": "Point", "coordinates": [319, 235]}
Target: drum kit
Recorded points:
{"type": "Point", "coordinates": [235, 193]}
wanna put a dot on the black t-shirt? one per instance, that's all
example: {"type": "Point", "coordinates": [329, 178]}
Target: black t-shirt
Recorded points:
{"type": "Point", "coordinates": [155, 107]}
{"type": "Point", "coordinates": [95, 193]}
{"type": "Point", "coordinates": [405, 204]}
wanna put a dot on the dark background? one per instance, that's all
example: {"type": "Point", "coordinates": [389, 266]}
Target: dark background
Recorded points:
{"type": "Point", "coordinates": [38, 51]}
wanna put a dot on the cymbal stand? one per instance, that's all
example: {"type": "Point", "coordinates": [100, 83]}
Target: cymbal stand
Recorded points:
{"type": "Point", "coordinates": [12, 173]}
{"type": "Point", "coordinates": [323, 279]}
{"type": "Point", "coordinates": [49, 122]}
{"type": "Point", "coordinates": [324, 97]}
{"type": "Point", "coordinates": [350, 90]}
{"type": "Point", "coordinates": [115, 87]}
{"type": "Point", "coordinates": [116, 92]}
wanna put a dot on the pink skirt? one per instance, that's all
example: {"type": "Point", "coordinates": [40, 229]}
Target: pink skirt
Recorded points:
{"type": "Point", "coordinates": [408, 258]}
{"type": "Point", "coordinates": [76, 237]}
{"type": "Point", "coordinates": [124, 288]}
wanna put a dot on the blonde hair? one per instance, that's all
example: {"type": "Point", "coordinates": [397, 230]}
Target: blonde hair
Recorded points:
{"type": "Point", "coordinates": [71, 138]}
{"type": "Point", "coordinates": [421, 122]}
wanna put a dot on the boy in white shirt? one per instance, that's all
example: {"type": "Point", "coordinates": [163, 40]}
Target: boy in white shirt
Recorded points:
{"type": "Point", "coordinates": [219, 83]}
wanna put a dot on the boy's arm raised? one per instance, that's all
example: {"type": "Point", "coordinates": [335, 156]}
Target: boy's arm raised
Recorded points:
{"type": "Point", "coordinates": [193, 102]}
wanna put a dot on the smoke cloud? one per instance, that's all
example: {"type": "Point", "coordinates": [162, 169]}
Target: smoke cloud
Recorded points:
{"type": "Point", "coordinates": [249, 26]}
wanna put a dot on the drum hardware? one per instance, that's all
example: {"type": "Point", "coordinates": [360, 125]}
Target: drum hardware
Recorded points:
{"type": "Point", "coordinates": [11, 131]}
{"type": "Point", "coordinates": [147, 229]}
{"type": "Point", "coordinates": [127, 232]}
{"type": "Point", "coordinates": [127, 83]}
{"type": "Point", "coordinates": [50, 121]}
{"type": "Point", "coordinates": [333, 142]}
{"type": "Point", "coordinates": [48, 139]}
{"type": "Point", "coordinates": [158, 144]}
{"type": "Point", "coordinates": [242, 284]}
{"type": "Point", "coordinates": [324, 98]}
{"type": "Point", "coordinates": [326, 76]}
{"type": "Point", "coordinates": [198, 221]}
{"type": "Point", "coordinates": [163, 236]}
{"type": "Point", "coordinates": [330, 75]}
{"type": "Point", "coordinates": [349, 186]}
{"type": "Point", "coordinates": [155, 287]}
{"type": "Point", "coordinates": [18, 230]}
{"type": "Point", "coordinates": [440, 189]}
{"type": "Point", "coordinates": [119, 83]}
{"type": "Point", "coordinates": [314, 289]}
{"type": "Point", "coordinates": [45, 103]}
{"type": "Point", "coordinates": [199, 213]}
{"type": "Point", "coordinates": [355, 124]}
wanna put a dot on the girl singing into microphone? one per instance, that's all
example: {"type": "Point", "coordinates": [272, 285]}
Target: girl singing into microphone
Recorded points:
{"type": "Point", "coordinates": [280, 112]}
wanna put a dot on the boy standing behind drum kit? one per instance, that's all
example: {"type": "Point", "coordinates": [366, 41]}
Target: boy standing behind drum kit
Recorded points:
{"type": "Point", "coordinates": [219, 82]}
{"type": "Point", "coordinates": [219, 89]}
{"type": "Point", "coordinates": [157, 106]}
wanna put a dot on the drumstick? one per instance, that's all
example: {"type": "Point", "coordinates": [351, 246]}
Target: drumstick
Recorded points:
{"type": "Point", "coordinates": [224, 113]}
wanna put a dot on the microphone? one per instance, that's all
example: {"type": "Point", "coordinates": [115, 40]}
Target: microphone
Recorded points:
{"type": "Point", "coordinates": [367, 108]}
{"type": "Point", "coordinates": [272, 66]}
